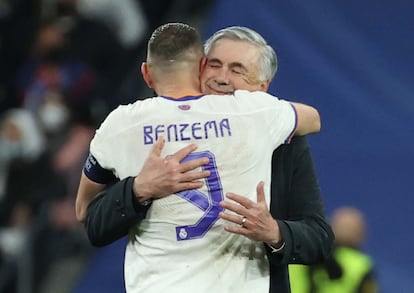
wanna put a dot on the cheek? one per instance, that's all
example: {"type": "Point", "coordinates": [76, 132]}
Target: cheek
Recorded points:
{"type": "Point", "coordinates": [206, 74]}
{"type": "Point", "coordinates": [239, 83]}
{"type": "Point", "coordinates": [203, 87]}
{"type": "Point", "coordinates": [204, 78]}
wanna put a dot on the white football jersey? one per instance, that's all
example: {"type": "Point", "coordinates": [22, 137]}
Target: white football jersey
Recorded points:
{"type": "Point", "coordinates": [181, 245]}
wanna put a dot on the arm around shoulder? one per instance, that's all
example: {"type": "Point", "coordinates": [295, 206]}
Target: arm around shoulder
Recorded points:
{"type": "Point", "coordinates": [86, 191]}
{"type": "Point", "coordinates": [113, 212]}
{"type": "Point", "coordinates": [309, 120]}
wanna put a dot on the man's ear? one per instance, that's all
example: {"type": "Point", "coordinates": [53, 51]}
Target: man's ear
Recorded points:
{"type": "Point", "coordinates": [203, 63]}
{"type": "Point", "coordinates": [146, 75]}
{"type": "Point", "coordinates": [264, 85]}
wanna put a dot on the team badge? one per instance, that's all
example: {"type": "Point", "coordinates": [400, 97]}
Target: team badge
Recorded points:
{"type": "Point", "coordinates": [184, 107]}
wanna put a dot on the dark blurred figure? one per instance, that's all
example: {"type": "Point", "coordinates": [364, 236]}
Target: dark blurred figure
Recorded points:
{"type": "Point", "coordinates": [95, 43]}
{"type": "Point", "coordinates": [349, 269]}
{"type": "Point", "coordinates": [18, 22]}
{"type": "Point", "coordinates": [50, 68]}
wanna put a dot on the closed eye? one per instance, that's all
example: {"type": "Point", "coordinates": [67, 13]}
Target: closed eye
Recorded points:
{"type": "Point", "coordinates": [214, 65]}
{"type": "Point", "coordinates": [238, 69]}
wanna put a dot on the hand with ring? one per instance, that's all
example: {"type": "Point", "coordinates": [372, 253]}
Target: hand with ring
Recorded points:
{"type": "Point", "coordinates": [252, 219]}
{"type": "Point", "coordinates": [243, 221]}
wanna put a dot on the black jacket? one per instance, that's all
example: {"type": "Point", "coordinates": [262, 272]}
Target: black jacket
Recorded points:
{"type": "Point", "coordinates": [296, 204]}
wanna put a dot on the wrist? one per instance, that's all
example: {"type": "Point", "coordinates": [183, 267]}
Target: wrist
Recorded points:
{"type": "Point", "coordinates": [276, 244]}
{"type": "Point", "coordinates": [141, 195]}
{"type": "Point", "coordinates": [277, 247]}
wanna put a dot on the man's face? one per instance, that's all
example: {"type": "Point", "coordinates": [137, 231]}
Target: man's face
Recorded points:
{"type": "Point", "coordinates": [232, 65]}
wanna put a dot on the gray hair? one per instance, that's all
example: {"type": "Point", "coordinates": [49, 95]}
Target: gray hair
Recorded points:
{"type": "Point", "coordinates": [268, 60]}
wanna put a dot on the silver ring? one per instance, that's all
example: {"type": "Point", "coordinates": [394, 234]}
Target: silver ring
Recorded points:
{"type": "Point", "coordinates": [243, 221]}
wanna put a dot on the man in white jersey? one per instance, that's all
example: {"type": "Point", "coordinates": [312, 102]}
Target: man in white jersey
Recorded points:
{"type": "Point", "coordinates": [181, 245]}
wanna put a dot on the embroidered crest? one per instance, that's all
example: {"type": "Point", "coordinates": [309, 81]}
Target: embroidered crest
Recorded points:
{"type": "Point", "coordinates": [184, 107]}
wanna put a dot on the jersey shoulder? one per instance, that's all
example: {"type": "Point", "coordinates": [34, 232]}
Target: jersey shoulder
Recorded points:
{"type": "Point", "coordinates": [257, 98]}
{"type": "Point", "coordinates": [126, 116]}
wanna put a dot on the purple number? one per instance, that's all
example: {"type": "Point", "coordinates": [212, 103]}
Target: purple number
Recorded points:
{"type": "Point", "coordinates": [208, 203]}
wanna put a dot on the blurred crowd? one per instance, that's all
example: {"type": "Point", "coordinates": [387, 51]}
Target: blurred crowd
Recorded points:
{"type": "Point", "coordinates": [64, 65]}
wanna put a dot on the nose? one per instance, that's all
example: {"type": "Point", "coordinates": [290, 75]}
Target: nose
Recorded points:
{"type": "Point", "coordinates": [222, 77]}
{"type": "Point", "coordinates": [221, 82]}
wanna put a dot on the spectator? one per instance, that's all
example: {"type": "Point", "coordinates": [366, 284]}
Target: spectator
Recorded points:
{"type": "Point", "coordinates": [348, 270]}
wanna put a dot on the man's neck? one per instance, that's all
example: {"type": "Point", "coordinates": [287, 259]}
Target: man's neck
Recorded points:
{"type": "Point", "coordinates": [178, 90]}
{"type": "Point", "coordinates": [178, 95]}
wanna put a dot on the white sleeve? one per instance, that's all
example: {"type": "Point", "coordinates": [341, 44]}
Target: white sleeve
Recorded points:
{"type": "Point", "coordinates": [279, 115]}
{"type": "Point", "coordinates": [287, 120]}
{"type": "Point", "coordinates": [282, 121]}
{"type": "Point", "coordinates": [103, 145]}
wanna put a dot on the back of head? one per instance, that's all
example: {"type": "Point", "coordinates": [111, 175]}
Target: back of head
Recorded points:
{"type": "Point", "coordinates": [174, 44]}
{"type": "Point", "coordinates": [268, 62]}
{"type": "Point", "coordinates": [348, 224]}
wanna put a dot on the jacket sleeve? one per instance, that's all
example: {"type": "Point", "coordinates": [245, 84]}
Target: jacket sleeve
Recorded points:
{"type": "Point", "coordinates": [112, 213]}
{"type": "Point", "coordinates": [298, 207]}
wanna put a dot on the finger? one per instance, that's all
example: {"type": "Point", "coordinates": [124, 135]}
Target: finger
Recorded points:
{"type": "Point", "coordinates": [236, 219]}
{"type": "Point", "coordinates": [185, 186]}
{"type": "Point", "coordinates": [234, 207]}
{"type": "Point", "coordinates": [231, 217]}
{"type": "Point", "coordinates": [260, 192]}
{"type": "Point", "coordinates": [193, 164]}
{"type": "Point", "coordinates": [244, 201]}
{"type": "Point", "coordinates": [158, 146]}
{"type": "Point", "coordinates": [237, 230]}
{"type": "Point", "coordinates": [191, 176]}
{"type": "Point", "coordinates": [189, 185]}
{"type": "Point", "coordinates": [184, 152]}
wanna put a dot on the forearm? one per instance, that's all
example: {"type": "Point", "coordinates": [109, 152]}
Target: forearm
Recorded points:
{"type": "Point", "coordinates": [308, 119]}
{"type": "Point", "coordinates": [298, 207]}
{"type": "Point", "coordinates": [306, 241]}
{"type": "Point", "coordinates": [112, 213]}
